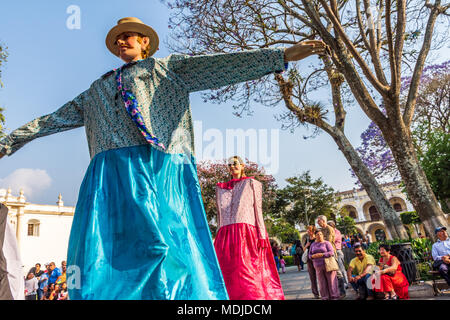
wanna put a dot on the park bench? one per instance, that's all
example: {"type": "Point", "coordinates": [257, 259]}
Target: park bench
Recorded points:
{"type": "Point", "coordinates": [439, 283]}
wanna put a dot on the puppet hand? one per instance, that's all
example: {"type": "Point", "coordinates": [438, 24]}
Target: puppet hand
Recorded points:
{"type": "Point", "coordinates": [304, 49]}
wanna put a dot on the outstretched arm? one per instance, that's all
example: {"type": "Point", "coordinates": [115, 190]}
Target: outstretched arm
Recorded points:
{"type": "Point", "coordinates": [69, 116]}
{"type": "Point", "coordinates": [213, 71]}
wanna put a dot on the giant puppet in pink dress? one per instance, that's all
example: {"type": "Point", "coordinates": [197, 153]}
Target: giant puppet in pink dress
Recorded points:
{"type": "Point", "coordinates": [242, 244]}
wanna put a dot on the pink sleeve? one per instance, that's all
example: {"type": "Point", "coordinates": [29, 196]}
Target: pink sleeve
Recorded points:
{"type": "Point", "coordinates": [218, 208]}
{"type": "Point", "coordinates": [260, 226]}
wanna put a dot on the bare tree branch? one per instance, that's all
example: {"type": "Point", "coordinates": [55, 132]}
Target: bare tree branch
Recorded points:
{"type": "Point", "coordinates": [383, 89]}
{"type": "Point", "coordinates": [413, 90]}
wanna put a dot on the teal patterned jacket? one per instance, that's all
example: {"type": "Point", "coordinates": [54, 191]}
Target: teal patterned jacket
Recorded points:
{"type": "Point", "coordinates": [162, 88]}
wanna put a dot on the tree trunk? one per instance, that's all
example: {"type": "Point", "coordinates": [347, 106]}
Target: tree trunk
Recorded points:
{"type": "Point", "coordinates": [416, 182]}
{"type": "Point", "coordinates": [373, 189]}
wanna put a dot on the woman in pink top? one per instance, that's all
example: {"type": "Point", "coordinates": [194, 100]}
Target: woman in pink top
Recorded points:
{"type": "Point", "coordinates": [242, 244]}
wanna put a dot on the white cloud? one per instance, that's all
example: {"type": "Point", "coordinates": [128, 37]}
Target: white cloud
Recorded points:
{"type": "Point", "coordinates": [32, 181]}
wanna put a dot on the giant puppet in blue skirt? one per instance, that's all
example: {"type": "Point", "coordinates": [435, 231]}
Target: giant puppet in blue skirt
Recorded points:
{"type": "Point", "coordinates": [150, 242]}
{"type": "Point", "coordinates": [140, 229]}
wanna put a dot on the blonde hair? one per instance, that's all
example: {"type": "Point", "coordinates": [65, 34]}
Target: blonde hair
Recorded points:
{"type": "Point", "coordinates": [145, 53]}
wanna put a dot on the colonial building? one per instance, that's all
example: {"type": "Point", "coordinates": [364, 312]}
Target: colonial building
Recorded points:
{"type": "Point", "coordinates": [42, 231]}
{"type": "Point", "coordinates": [361, 208]}
{"type": "Point", "coordinates": [367, 218]}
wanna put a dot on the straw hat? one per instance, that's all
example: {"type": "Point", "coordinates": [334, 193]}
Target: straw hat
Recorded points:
{"type": "Point", "coordinates": [131, 24]}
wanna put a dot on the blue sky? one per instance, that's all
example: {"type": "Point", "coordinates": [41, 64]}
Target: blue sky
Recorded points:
{"type": "Point", "coordinates": [49, 64]}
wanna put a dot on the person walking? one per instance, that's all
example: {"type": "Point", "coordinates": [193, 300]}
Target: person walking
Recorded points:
{"type": "Point", "coordinates": [298, 253]}
{"type": "Point", "coordinates": [341, 274]}
{"type": "Point", "coordinates": [283, 264]}
{"type": "Point", "coordinates": [139, 129]}
{"type": "Point", "coordinates": [311, 237]}
{"type": "Point", "coordinates": [242, 243]}
{"type": "Point", "coordinates": [320, 250]}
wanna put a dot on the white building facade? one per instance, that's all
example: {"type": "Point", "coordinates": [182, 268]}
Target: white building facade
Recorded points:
{"type": "Point", "coordinates": [361, 208]}
{"type": "Point", "coordinates": [42, 231]}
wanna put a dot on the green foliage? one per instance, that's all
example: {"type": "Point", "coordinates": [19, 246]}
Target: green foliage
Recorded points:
{"type": "Point", "coordinates": [373, 250]}
{"type": "Point", "coordinates": [373, 247]}
{"type": "Point", "coordinates": [303, 199]}
{"type": "Point", "coordinates": [284, 231]}
{"type": "Point", "coordinates": [435, 161]}
{"type": "Point", "coordinates": [410, 217]}
{"type": "Point", "coordinates": [346, 225]}
{"type": "Point", "coordinates": [289, 260]}
{"type": "Point", "coordinates": [423, 268]}
{"type": "Point", "coordinates": [421, 248]}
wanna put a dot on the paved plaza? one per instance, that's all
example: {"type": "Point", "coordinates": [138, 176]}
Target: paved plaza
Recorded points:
{"type": "Point", "coordinates": [296, 286]}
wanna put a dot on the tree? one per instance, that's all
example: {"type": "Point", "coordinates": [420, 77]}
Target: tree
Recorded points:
{"type": "Point", "coordinates": [430, 130]}
{"type": "Point", "coordinates": [369, 83]}
{"type": "Point", "coordinates": [283, 230]}
{"type": "Point", "coordinates": [227, 25]}
{"type": "Point", "coordinates": [432, 114]}
{"type": "Point", "coordinates": [410, 218]}
{"type": "Point", "coordinates": [303, 199]}
{"type": "Point", "coordinates": [346, 225]}
{"type": "Point", "coordinates": [210, 173]}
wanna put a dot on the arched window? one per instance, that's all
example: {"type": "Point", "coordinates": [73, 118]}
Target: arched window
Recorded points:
{"type": "Point", "coordinates": [374, 215]}
{"type": "Point", "coordinates": [398, 207]}
{"type": "Point", "coordinates": [380, 235]}
{"type": "Point", "coordinates": [33, 228]}
{"type": "Point", "coordinates": [352, 214]}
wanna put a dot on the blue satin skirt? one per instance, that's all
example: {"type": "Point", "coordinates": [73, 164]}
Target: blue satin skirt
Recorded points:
{"type": "Point", "coordinates": [140, 231]}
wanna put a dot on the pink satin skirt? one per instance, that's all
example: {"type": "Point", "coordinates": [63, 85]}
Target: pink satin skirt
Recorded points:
{"type": "Point", "coordinates": [247, 264]}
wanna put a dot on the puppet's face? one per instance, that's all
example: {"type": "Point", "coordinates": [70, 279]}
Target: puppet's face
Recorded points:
{"type": "Point", "coordinates": [131, 46]}
{"type": "Point", "coordinates": [236, 169]}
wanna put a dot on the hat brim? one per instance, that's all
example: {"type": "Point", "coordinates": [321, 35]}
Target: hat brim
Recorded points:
{"type": "Point", "coordinates": [131, 27]}
{"type": "Point", "coordinates": [440, 229]}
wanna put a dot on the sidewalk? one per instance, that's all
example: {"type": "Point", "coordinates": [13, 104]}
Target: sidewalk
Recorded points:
{"type": "Point", "coordinates": [296, 286]}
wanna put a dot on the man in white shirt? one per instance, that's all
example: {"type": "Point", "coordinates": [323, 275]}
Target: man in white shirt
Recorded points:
{"type": "Point", "coordinates": [441, 253]}
{"type": "Point", "coordinates": [368, 237]}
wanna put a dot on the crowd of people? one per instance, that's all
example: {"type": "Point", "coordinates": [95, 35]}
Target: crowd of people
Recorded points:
{"type": "Point", "coordinates": [48, 283]}
{"type": "Point", "coordinates": [323, 255]}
